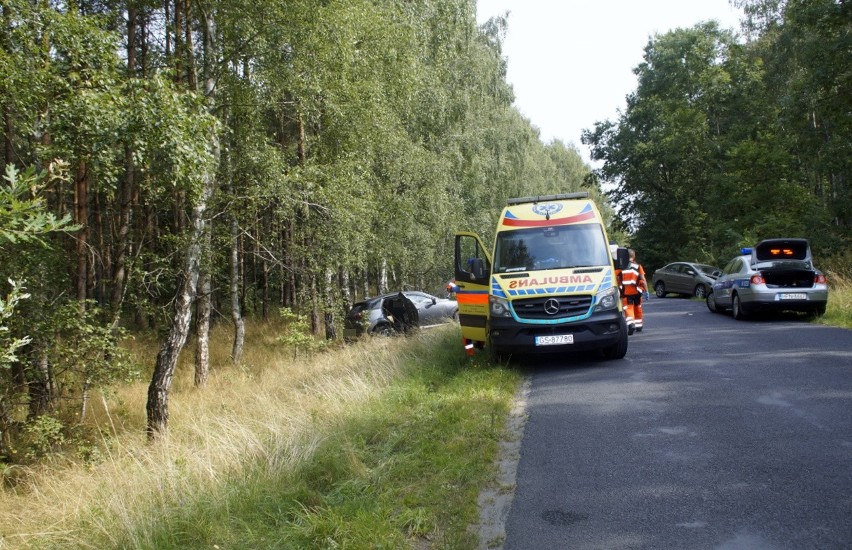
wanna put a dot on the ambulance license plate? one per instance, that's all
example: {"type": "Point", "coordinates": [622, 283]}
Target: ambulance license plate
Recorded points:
{"type": "Point", "coordinates": [554, 340]}
{"type": "Point", "coordinates": [794, 296]}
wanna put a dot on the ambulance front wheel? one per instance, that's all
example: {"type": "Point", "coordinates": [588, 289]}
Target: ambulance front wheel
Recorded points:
{"type": "Point", "coordinates": [494, 355]}
{"type": "Point", "coordinates": [619, 349]}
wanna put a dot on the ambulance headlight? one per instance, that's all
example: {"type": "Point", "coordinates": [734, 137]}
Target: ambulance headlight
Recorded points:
{"type": "Point", "coordinates": [499, 306]}
{"type": "Point", "coordinates": [607, 299]}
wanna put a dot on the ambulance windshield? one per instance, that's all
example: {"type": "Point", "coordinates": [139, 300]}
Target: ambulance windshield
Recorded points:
{"type": "Point", "coordinates": [553, 247]}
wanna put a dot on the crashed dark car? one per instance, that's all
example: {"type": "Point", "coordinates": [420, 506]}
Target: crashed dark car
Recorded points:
{"type": "Point", "coordinates": [776, 275]}
{"type": "Point", "coordinates": [388, 315]}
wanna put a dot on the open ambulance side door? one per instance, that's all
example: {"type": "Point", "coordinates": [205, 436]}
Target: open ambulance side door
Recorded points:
{"type": "Point", "coordinates": [473, 278]}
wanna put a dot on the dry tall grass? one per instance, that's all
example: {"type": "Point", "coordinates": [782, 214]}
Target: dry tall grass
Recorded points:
{"type": "Point", "coordinates": [839, 310]}
{"type": "Point", "coordinates": [271, 411]}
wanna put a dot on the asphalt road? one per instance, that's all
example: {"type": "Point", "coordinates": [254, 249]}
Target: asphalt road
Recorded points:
{"type": "Point", "coordinates": [711, 433]}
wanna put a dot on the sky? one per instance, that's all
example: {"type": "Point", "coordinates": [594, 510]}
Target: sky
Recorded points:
{"type": "Point", "coordinates": [571, 62]}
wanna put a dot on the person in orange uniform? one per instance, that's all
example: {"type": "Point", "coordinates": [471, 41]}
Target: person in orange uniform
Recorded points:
{"type": "Point", "coordinates": [634, 284]}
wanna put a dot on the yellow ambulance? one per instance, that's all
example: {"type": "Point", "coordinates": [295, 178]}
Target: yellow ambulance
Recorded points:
{"type": "Point", "coordinates": [548, 285]}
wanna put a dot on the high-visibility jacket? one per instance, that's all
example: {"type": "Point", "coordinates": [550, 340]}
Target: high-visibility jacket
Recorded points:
{"type": "Point", "coordinates": [633, 279]}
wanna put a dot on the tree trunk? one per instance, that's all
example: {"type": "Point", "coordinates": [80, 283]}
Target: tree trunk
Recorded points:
{"type": "Point", "coordinates": [383, 277]}
{"type": "Point", "coordinates": [132, 15]}
{"type": "Point", "coordinates": [330, 329]}
{"type": "Point", "coordinates": [180, 47]}
{"type": "Point", "coordinates": [127, 190]}
{"type": "Point", "coordinates": [81, 215]}
{"type": "Point", "coordinates": [143, 47]}
{"type": "Point", "coordinates": [168, 35]}
{"type": "Point", "coordinates": [315, 304]}
{"type": "Point", "coordinates": [302, 150]}
{"type": "Point", "coordinates": [8, 149]}
{"type": "Point", "coordinates": [366, 288]}
{"type": "Point", "coordinates": [157, 407]}
{"type": "Point", "coordinates": [345, 288]}
{"type": "Point", "coordinates": [84, 406]}
{"type": "Point", "coordinates": [158, 391]}
{"type": "Point", "coordinates": [202, 329]}
{"type": "Point", "coordinates": [191, 77]}
{"type": "Point", "coordinates": [40, 388]}
{"type": "Point", "coordinates": [291, 262]}
{"type": "Point", "coordinates": [282, 270]}
{"type": "Point", "coordinates": [264, 281]}
{"type": "Point", "coordinates": [99, 270]}
{"type": "Point", "coordinates": [236, 311]}
{"type": "Point", "coordinates": [123, 245]}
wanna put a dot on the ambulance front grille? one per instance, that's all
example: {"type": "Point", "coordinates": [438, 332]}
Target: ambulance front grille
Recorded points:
{"type": "Point", "coordinates": [543, 307]}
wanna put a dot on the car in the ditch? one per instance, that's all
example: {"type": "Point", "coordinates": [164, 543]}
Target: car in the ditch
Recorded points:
{"type": "Point", "coordinates": [775, 275]}
{"type": "Point", "coordinates": [397, 312]}
{"type": "Point", "coordinates": [687, 278]}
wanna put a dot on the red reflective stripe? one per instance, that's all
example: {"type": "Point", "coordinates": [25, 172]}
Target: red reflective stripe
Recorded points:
{"type": "Point", "coordinates": [471, 298]}
{"type": "Point", "coordinates": [554, 221]}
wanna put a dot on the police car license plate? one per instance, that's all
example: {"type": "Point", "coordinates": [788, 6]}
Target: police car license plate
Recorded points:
{"type": "Point", "coordinates": [554, 340]}
{"type": "Point", "coordinates": [794, 296]}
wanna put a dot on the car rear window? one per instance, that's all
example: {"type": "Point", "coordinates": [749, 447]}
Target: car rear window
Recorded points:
{"type": "Point", "coordinates": [782, 250]}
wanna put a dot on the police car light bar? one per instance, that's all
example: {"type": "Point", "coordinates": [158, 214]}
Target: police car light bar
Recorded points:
{"type": "Point", "coordinates": [745, 251]}
{"type": "Point", "coordinates": [543, 198]}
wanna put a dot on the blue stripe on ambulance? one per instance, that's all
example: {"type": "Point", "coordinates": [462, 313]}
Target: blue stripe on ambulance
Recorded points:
{"type": "Point", "coordinates": [605, 284]}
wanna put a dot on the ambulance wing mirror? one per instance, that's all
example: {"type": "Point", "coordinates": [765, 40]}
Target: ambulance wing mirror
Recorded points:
{"type": "Point", "coordinates": [622, 258]}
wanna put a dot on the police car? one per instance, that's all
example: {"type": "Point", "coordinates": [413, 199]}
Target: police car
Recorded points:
{"type": "Point", "coordinates": [776, 275]}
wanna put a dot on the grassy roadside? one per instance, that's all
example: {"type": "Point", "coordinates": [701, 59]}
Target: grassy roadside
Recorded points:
{"type": "Point", "coordinates": [383, 444]}
{"type": "Point", "coordinates": [838, 313]}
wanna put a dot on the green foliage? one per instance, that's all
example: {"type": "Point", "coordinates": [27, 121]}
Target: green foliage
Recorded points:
{"type": "Point", "coordinates": [713, 152]}
{"type": "Point", "coordinates": [44, 436]}
{"type": "Point", "coordinates": [87, 352]}
{"type": "Point", "coordinates": [298, 333]}
{"type": "Point", "coordinates": [8, 344]}
{"type": "Point", "coordinates": [25, 223]}
{"type": "Point", "coordinates": [24, 217]}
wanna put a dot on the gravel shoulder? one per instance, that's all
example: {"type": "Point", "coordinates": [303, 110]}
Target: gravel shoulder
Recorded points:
{"type": "Point", "coordinates": [496, 499]}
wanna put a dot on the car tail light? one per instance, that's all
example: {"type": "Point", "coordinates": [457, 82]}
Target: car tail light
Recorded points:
{"type": "Point", "coordinates": [757, 280]}
{"type": "Point", "coordinates": [820, 279]}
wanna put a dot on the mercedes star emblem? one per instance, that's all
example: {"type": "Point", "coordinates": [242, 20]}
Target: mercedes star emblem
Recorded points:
{"type": "Point", "coordinates": [551, 307]}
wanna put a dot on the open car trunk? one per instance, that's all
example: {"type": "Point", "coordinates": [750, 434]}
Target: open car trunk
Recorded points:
{"type": "Point", "coordinates": [785, 263]}
{"type": "Point", "coordinates": [788, 276]}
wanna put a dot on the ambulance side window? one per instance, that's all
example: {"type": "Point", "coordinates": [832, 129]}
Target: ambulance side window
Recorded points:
{"type": "Point", "coordinates": [471, 261]}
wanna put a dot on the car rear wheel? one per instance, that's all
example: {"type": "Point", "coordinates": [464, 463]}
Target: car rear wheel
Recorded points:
{"type": "Point", "coordinates": [660, 289]}
{"type": "Point", "coordinates": [700, 291]}
{"type": "Point", "coordinates": [737, 308]}
{"type": "Point", "coordinates": [384, 330]}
